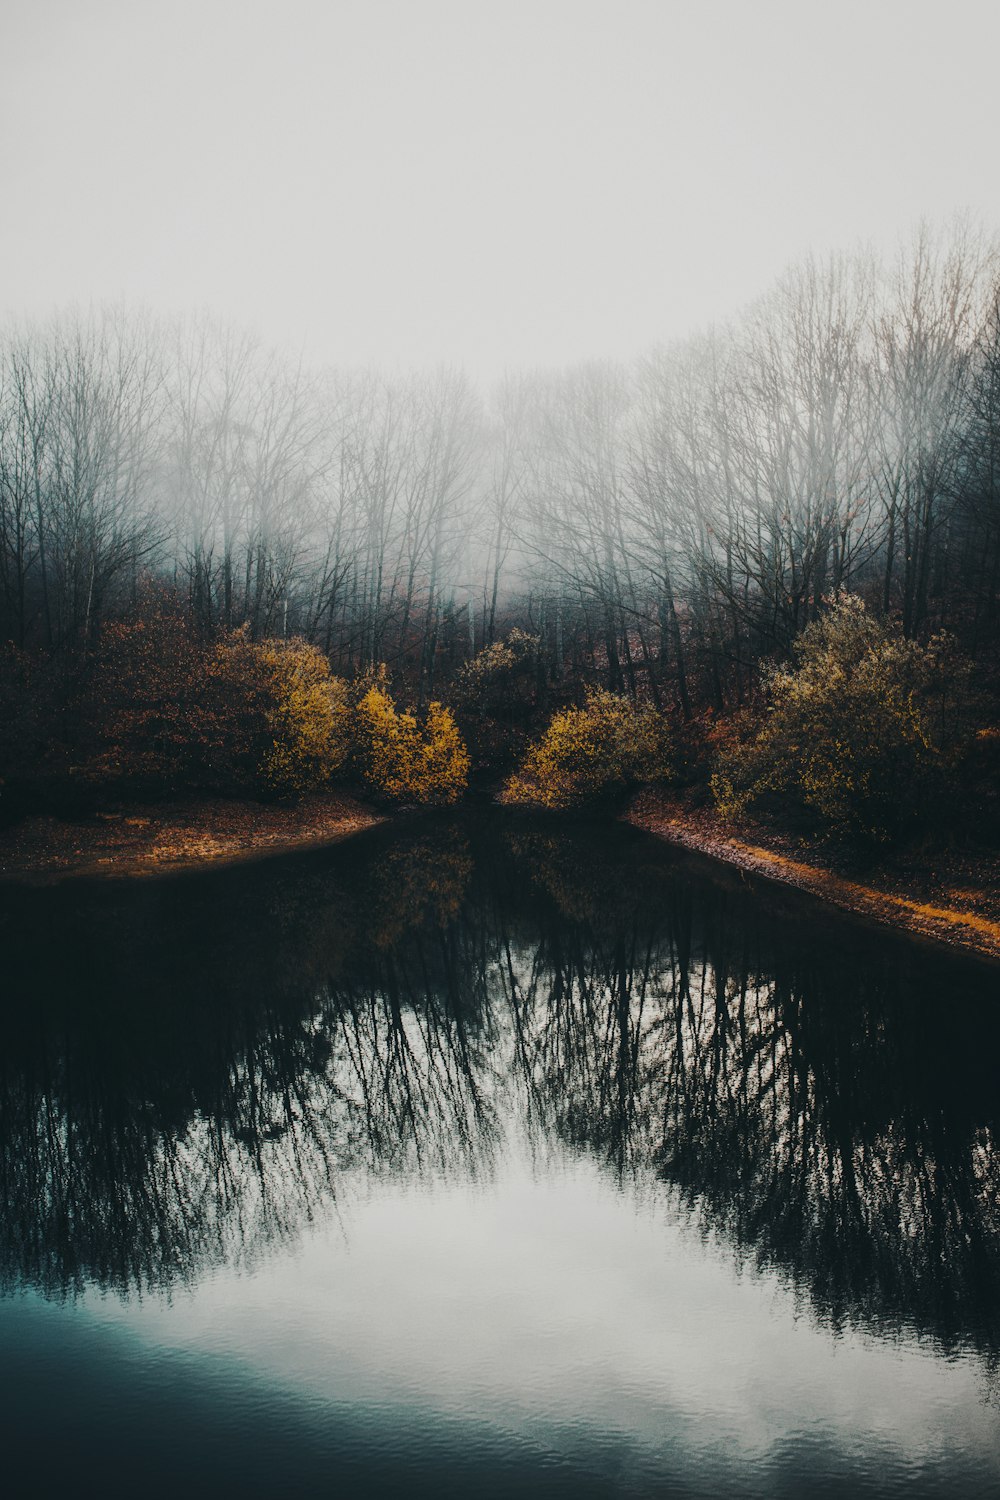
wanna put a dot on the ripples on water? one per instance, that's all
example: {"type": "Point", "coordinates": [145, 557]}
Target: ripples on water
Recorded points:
{"type": "Point", "coordinates": [509, 1159]}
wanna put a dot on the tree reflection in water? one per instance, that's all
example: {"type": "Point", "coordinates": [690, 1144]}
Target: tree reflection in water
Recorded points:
{"type": "Point", "coordinates": [192, 1070]}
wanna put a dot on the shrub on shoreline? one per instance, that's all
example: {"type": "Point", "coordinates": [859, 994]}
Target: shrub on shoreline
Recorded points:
{"type": "Point", "coordinates": [497, 699]}
{"type": "Point", "coordinates": [309, 721]}
{"type": "Point", "coordinates": [609, 744]}
{"type": "Point", "coordinates": [858, 730]}
{"type": "Point", "coordinates": [165, 711]}
{"type": "Point", "coordinates": [404, 761]}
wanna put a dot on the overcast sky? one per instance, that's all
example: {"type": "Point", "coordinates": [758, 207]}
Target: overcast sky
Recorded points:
{"type": "Point", "coordinates": [484, 182]}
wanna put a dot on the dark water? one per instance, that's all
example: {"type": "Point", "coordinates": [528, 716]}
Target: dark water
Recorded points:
{"type": "Point", "coordinates": [496, 1161]}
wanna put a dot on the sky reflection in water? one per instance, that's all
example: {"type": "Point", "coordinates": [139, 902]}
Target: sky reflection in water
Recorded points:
{"type": "Point", "coordinates": [505, 1158]}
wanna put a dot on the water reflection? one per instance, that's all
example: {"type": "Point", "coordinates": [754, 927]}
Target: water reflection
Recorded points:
{"type": "Point", "coordinates": [193, 1071]}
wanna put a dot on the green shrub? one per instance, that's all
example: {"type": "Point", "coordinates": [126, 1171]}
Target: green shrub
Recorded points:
{"type": "Point", "coordinates": [496, 699]}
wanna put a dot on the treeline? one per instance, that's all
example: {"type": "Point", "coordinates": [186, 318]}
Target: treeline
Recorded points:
{"type": "Point", "coordinates": [658, 530]}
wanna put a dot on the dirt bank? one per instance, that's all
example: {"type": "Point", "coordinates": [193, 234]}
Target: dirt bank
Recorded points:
{"type": "Point", "coordinates": [950, 896]}
{"type": "Point", "coordinates": [178, 835]}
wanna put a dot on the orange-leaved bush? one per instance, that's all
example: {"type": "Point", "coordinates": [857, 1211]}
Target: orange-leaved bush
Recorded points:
{"type": "Point", "coordinates": [610, 743]}
{"type": "Point", "coordinates": [404, 761]}
{"type": "Point", "coordinates": [166, 711]}
{"type": "Point", "coordinates": [162, 710]}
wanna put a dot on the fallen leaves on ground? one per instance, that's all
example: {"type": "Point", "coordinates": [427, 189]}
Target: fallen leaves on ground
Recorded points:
{"type": "Point", "coordinates": [176, 835]}
{"type": "Point", "coordinates": [952, 896]}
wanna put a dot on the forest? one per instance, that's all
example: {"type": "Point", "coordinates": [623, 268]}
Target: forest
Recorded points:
{"type": "Point", "coordinates": [763, 563]}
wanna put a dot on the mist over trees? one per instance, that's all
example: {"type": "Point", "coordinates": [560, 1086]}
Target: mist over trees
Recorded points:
{"type": "Point", "coordinates": [658, 529]}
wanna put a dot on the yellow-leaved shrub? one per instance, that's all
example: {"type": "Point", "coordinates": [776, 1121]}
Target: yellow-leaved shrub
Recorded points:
{"type": "Point", "coordinates": [403, 760]}
{"type": "Point", "coordinates": [859, 730]}
{"type": "Point", "coordinates": [609, 743]}
{"type": "Point", "coordinates": [309, 721]}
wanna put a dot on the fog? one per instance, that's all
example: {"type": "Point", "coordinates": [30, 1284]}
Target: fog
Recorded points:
{"type": "Point", "coordinates": [663, 522]}
{"type": "Point", "coordinates": [641, 328]}
{"type": "Point", "coordinates": [485, 184]}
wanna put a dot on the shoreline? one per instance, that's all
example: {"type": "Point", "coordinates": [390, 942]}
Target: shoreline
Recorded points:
{"type": "Point", "coordinates": [964, 920]}
{"type": "Point", "coordinates": [178, 836]}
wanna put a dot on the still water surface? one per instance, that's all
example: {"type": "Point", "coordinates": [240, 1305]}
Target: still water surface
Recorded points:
{"type": "Point", "coordinates": [503, 1160]}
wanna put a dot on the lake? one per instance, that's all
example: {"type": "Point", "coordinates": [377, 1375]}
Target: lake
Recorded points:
{"type": "Point", "coordinates": [493, 1156]}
